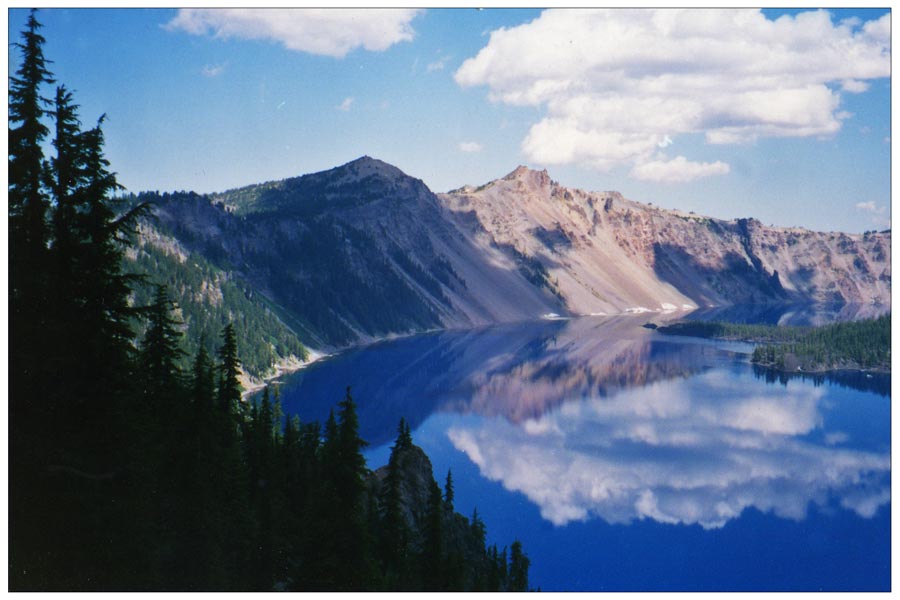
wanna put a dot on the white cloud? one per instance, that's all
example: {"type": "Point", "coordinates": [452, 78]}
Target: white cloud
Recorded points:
{"type": "Point", "coordinates": [329, 32]}
{"type": "Point", "coordinates": [666, 453]}
{"type": "Point", "coordinates": [854, 86]}
{"type": "Point", "coordinates": [667, 141]}
{"type": "Point", "coordinates": [345, 105]}
{"type": "Point", "coordinates": [879, 216]}
{"type": "Point", "coordinates": [470, 147]}
{"type": "Point", "coordinates": [437, 65]}
{"type": "Point", "coordinates": [213, 70]}
{"type": "Point", "coordinates": [619, 84]}
{"type": "Point", "coordinates": [677, 170]}
{"type": "Point", "coordinates": [870, 207]}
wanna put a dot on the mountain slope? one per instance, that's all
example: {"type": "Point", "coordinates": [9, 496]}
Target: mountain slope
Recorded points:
{"type": "Point", "coordinates": [358, 252]}
{"type": "Point", "coordinates": [207, 299]}
{"type": "Point", "coordinates": [609, 254]}
{"type": "Point", "coordinates": [363, 251]}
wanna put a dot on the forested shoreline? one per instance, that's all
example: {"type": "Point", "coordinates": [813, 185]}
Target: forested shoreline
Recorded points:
{"type": "Point", "coordinates": [856, 345]}
{"type": "Point", "coordinates": [128, 471]}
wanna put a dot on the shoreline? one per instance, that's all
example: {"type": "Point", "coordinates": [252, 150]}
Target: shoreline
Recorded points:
{"type": "Point", "coordinates": [824, 371]}
{"type": "Point", "coordinates": [285, 366]}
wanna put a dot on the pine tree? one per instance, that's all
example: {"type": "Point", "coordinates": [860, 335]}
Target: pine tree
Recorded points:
{"type": "Point", "coordinates": [432, 563]}
{"type": "Point", "coordinates": [28, 205]}
{"type": "Point", "coordinates": [231, 477]}
{"type": "Point", "coordinates": [30, 445]}
{"type": "Point", "coordinates": [395, 532]}
{"type": "Point", "coordinates": [204, 529]}
{"type": "Point", "coordinates": [161, 353]}
{"type": "Point", "coordinates": [518, 568]}
{"type": "Point", "coordinates": [350, 486]}
{"type": "Point", "coordinates": [448, 492]}
{"type": "Point", "coordinates": [229, 374]}
{"type": "Point", "coordinates": [404, 437]}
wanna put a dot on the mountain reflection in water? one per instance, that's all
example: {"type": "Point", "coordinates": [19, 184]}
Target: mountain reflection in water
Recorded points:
{"type": "Point", "coordinates": [603, 418]}
{"type": "Point", "coordinates": [516, 371]}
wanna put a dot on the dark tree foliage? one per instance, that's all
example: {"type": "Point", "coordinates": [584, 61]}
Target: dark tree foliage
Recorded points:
{"type": "Point", "coordinates": [448, 491]}
{"type": "Point", "coordinates": [518, 568]}
{"type": "Point", "coordinates": [862, 344]}
{"type": "Point", "coordinates": [161, 352]}
{"type": "Point", "coordinates": [28, 204]}
{"type": "Point", "coordinates": [395, 533]}
{"type": "Point", "coordinates": [130, 471]}
{"type": "Point", "coordinates": [433, 550]}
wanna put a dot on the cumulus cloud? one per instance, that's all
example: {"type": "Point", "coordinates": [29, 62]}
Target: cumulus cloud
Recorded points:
{"type": "Point", "coordinates": [669, 454]}
{"type": "Point", "coordinates": [328, 32]}
{"type": "Point", "coordinates": [854, 86]}
{"type": "Point", "coordinates": [470, 147]}
{"type": "Point", "coordinates": [677, 170]}
{"type": "Point", "coordinates": [617, 84]}
{"type": "Point", "coordinates": [345, 105]}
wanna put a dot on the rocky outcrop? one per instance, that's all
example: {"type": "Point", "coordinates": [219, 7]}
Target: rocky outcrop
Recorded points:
{"type": "Point", "coordinates": [465, 560]}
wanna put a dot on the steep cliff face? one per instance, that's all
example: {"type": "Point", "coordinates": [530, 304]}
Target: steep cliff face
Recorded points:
{"type": "Point", "coordinates": [604, 253]}
{"type": "Point", "coordinates": [363, 251]}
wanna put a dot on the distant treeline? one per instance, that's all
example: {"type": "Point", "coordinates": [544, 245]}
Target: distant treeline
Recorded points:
{"type": "Point", "coordinates": [862, 344]}
{"type": "Point", "coordinates": [128, 471]}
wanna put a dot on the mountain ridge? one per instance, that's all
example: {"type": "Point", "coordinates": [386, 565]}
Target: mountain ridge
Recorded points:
{"type": "Point", "coordinates": [364, 251]}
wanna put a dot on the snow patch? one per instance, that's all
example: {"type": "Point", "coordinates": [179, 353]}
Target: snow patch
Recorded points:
{"type": "Point", "coordinates": [636, 310]}
{"type": "Point", "coordinates": [553, 317]}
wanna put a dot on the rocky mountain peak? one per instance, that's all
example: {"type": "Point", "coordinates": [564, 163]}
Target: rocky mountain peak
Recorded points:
{"type": "Point", "coordinates": [366, 166]}
{"type": "Point", "coordinates": [528, 175]}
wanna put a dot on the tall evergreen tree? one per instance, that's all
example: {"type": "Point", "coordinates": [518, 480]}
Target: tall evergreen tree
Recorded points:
{"type": "Point", "coordinates": [518, 568]}
{"type": "Point", "coordinates": [161, 353]}
{"type": "Point", "coordinates": [28, 204]}
{"type": "Point", "coordinates": [231, 478]}
{"type": "Point", "coordinates": [229, 373]}
{"type": "Point", "coordinates": [448, 491]}
{"type": "Point", "coordinates": [432, 563]}
{"type": "Point", "coordinates": [350, 487]}
{"type": "Point", "coordinates": [395, 534]}
{"type": "Point", "coordinates": [29, 376]}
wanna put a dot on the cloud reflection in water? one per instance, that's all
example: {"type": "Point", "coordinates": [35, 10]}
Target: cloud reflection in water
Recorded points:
{"type": "Point", "coordinates": [694, 451]}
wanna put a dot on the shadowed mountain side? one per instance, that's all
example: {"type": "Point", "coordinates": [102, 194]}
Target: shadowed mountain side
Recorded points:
{"type": "Point", "coordinates": [356, 253]}
{"type": "Point", "coordinates": [735, 279]}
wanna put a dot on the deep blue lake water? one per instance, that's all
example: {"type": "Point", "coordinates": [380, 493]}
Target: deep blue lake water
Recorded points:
{"type": "Point", "coordinates": [627, 460]}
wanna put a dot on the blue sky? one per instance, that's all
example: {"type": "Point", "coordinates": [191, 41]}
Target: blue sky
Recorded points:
{"type": "Point", "coordinates": [781, 115]}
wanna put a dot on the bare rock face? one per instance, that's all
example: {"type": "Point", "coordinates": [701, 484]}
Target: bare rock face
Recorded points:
{"type": "Point", "coordinates": [415, 480]}
{"type": "Point", "coordinates": [603, 253]}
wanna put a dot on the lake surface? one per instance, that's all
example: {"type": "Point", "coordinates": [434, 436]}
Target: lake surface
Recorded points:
{"type": "Point", "coordinates": [627, 460]}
